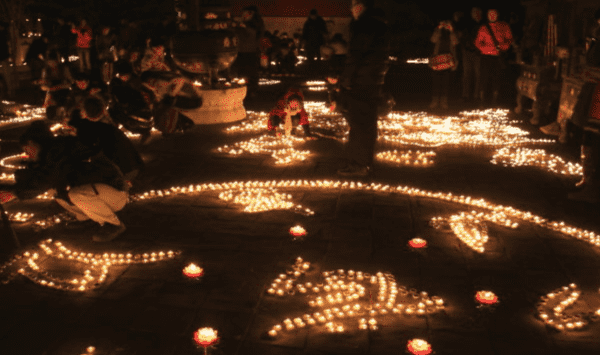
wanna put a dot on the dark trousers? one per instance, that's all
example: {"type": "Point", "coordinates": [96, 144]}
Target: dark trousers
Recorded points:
{"type": "Point", "coordinates": [314, 65]}
{"type": "Point", "coordinates": [362, 119]}
{"type": "Point", "coordinates": [491, 70]}
{"type": "Point", "coordinates": [247, 65]}
{"type": "Point", "coordinates": [440, 83]}
{"type": "Point", "coordinates": [471, 74]}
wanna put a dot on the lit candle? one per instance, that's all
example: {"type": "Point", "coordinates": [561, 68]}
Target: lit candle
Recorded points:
{"type": "Point", "coordinates": [419, 347]}
{"type": "Point", "coordinates": [298, 231]}
{"type": "Point", "coordinates": [486, 297]}
{"type": "Point", "coordinates": [417, 243]}
{"type": "Point", "coordinates": [205, 337]}
{"type": "Point", "coordinates": [193, 271]}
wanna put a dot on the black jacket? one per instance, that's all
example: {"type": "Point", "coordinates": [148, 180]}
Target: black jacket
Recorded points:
{"type": "Point", "coordinates": [64, 164]}
{"type": "Point", "coordinates": [111, 141]}
{"type": "Point", "coordinates": [368, 51]}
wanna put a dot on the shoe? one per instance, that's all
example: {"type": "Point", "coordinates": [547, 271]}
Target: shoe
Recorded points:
{"type": "Point", "coordinates": [353, 170]}
{"type": "Point", "coordinates": [109, 232]}
{"type": "Point", "coordinates": [552, 129]}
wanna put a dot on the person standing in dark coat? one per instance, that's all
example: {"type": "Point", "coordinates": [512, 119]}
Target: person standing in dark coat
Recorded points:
{"type": "Point", "coordinates": [314, 33]}
{"type": "Point", "coordinates": [361, 84]}
{"type": "Point", "coordinates": [36, 56]}
{"type": "Point", "coordinates": [4, 55]}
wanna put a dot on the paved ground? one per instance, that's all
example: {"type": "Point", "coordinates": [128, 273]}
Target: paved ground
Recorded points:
{"type": "Point", "coordinates": [152, 309]}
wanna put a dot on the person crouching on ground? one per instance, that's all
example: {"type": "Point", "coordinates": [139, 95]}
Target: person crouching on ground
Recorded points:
{"type": "Point", "coordinates": [289, 113]}
{"type": "Point", "coordinates": [89, 187]}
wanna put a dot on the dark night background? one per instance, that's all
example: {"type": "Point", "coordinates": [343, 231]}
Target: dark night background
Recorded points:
{"type": "Point", "coordinates": [112, 10]}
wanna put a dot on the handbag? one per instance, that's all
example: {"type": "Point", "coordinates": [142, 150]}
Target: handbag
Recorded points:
{"type": "Point", "coordinates": [443, 62]}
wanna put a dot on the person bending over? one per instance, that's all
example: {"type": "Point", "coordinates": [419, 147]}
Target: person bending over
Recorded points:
{"type": "Point", "coordinates": [89, 186]}
{"type": "Point", "coordinates": [288, 114]}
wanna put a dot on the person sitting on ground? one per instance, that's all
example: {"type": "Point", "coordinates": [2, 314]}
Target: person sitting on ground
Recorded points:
{"type": "Point", "coordinates": [106, 138]}
{"type": "Point", "coordinates": [290, 113]}
{"type": "Point", "coordinates": [89, 186]}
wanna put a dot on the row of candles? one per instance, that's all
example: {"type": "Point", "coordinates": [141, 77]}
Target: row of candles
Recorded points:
{"type": "Point", "coordinates": [95, 270]}
{"type": "Point", "coordinates": [407, 157]}
{"type": "Point", "coordinates": [498, 211]}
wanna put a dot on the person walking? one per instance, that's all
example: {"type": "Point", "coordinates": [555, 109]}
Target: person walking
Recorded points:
{"type": "Point", "coordinates": [493, 38]}
{"type": "Point", "coordinates": [361, 84]}
{"type": "Point", "coordinates": [314, 33]}
{"type": "Point", "coordinates": [443, 61]}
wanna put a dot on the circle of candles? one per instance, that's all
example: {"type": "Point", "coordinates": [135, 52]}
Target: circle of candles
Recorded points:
{"type": "Point", "coordinates": [205, 337]}
{"type": "Point", "coordinates": [193, 271]}
{"type": "Point", "coordinates": [419, 347]}
{"type": "Point", "coordinates": [417, 243]}
{"type": "Point", "coordinates": [486, 297]}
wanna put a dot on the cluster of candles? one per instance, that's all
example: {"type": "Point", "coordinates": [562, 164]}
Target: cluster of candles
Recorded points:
{"type": "Point", "coordinates": [316, 85]}
{"type": "Point", "coordinates": [470, 228]}
{"type": "Point", "coordinates": [263, 81]}
{"type": "Point", "coordinates": [7, 177]}
{"type": "Point", "coordinates": [471, 128]}
{"type": "Point", "coordinates": [511, 156]}
{"type": "Point", "coordinates": [24, 114]}
{"type": "Point", "coordinates": [94, 274]}
{"type": "Point", "coordinates": [552, 307]}
{"type": "Point", "coordinates": [418, 61]}
{"type": "Point", "coordinates": [260, 199]}
{"type": "Point", "coordinates": [407, 157]}
{"type": "Point", "coordinates": [342, 292]}
{"type": "Point", "coordinates": [280, 148]}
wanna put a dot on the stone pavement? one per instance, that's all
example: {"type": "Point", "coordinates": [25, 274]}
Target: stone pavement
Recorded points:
{"type": "Point", "coordinates": [153, 309]}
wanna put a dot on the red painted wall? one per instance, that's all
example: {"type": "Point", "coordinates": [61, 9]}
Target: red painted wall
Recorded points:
{"type": "Point", "coordinates": [294, 8]}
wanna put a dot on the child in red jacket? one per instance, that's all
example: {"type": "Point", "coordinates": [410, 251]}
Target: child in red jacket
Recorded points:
{"type": "Point", "coordinates": [289, 113]}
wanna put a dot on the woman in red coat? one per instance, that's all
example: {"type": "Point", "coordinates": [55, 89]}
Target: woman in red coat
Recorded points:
{"type": "Point", "coordinates": [290, 112]}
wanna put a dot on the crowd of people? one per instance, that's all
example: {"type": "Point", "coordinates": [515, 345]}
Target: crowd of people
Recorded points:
{"type": "Point", "coordinates": [124, 78]}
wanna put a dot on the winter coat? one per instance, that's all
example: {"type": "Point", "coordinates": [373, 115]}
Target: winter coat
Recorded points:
{"type": "Point", "coordinates": [314, 32]}
{"type": "Point", "coordinates": [368, 52]}
{"type": "Point", "coordinates": [64, 164]}
{"type": "Point", "coordinates": [108, 139]}
{"type": "Point", "coordinates": [279, 110]}
{"type": "Point", "coordinates": [84, 36]}
{"type": "Point", "coordinates": [485, 43]}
